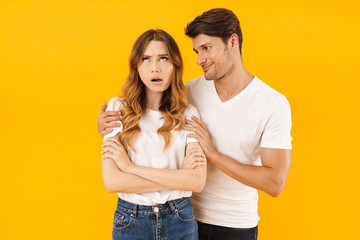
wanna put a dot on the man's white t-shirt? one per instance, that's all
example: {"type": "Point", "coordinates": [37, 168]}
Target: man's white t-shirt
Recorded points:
{"type": "Point", "coordinates": [149, 152]}
{"type": "Point", "coordinates": [257, 117]}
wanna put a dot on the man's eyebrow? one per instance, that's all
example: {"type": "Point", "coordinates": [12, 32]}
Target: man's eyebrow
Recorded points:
{"type": "Point", "coordinates": [202, 46]}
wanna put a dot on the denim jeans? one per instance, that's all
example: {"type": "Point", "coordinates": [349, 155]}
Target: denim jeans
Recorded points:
{"type": "Point", "coordinates": [172, 220]}
{"type": "Point", "coordinates": [214, 232]}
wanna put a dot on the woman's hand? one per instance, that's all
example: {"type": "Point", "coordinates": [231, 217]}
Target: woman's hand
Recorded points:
{"type": "Point", "coordinates": [114, 150]}
{"type": "Point", "coordinates": [193, 159]}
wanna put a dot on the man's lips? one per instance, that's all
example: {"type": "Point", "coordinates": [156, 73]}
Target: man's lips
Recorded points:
{"type": "Point", "coordinates": [206, 67]}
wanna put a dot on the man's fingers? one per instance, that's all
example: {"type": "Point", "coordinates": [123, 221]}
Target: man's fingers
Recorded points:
{"type": "Point", "coordinates": [198, 125]}
{"type": "Point", "coordinates": [108, 130]}
{"type": "Point", "coordinates": [196, 130]}
{"type": "Point", "coordinates": [196, 136]}
{"type": "Point", "coordinates": [105, 131]}
{"type": "Point", "coordinates": [112, 118]}
{"type": "Point", "coordinates": [111, 125]}
{"type": "Point", "coordinates": [110, 113]}
{"type": "Point", "coordinates": [194, 126]}
{"type": "Point", "coordinates": [198, 121]}
{"type": "Point", "coordinates": [103, 107]}
{"type": "Point", "coordinates": [191, 123]}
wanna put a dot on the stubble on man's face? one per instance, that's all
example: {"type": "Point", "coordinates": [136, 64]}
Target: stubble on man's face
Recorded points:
{"type": "Point", "coordinates": [222, 65]}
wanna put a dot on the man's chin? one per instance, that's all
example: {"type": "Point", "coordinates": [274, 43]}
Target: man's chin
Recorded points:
{"type": "Point", "coordinates": [208, 76]}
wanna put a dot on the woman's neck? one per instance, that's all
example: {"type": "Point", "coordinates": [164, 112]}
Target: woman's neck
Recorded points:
{"type": "Point", "coordinates": [153, 100]}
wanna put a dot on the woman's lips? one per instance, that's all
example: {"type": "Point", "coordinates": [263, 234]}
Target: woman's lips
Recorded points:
{"type": "Point", "coordinates": [156, 81]}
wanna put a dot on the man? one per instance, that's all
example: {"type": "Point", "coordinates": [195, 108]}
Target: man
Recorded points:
{"type": "Point", "coordinates": [244, 131]}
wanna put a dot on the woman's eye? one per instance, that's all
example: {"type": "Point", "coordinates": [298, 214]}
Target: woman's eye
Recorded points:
{"type": "Point", "coordinates": [163, 59]}
{"type": "Point", "coordinates": [145, 59]}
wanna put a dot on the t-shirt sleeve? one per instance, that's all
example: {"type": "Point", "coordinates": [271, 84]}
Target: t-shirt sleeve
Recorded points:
{"type": "Point", "coordinates": [278, 127]}
{"type": "Point", "coordinates": [114, 105]}
{"type": "Point", "coordinates": [188, 114]}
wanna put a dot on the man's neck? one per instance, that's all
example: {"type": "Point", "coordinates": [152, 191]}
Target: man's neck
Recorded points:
{"type": "Point", "coordinates": [233, 83]}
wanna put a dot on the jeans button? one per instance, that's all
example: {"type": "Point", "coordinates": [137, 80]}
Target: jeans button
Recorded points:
{"type": "Point", "coordinates": [156, 209]}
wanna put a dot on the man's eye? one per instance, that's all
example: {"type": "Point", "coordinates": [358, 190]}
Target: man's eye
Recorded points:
{"type": "Point", "coordinates": [163, 59]}
{"type": "Point", "coordinates": [207, 48]}
{"type": "Point", "coordinates": [145, 59]}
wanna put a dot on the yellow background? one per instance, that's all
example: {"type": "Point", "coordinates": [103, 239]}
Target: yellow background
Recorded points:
{"type": "Point", "coordinates": [61, 59]}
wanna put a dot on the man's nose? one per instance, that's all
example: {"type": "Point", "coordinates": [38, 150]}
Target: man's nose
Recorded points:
{"type": "Point", "coordinates": [201, 59]}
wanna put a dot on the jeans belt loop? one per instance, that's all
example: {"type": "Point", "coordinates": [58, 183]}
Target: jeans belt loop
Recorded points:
{"type": "Point", "coordinates": [134, 210]}
{"type": "Point", "coordinates": [171, 204]}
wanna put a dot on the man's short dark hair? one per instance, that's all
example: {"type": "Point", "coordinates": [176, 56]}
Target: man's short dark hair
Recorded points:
{"type": "Point", "coordinates": [217, 22]}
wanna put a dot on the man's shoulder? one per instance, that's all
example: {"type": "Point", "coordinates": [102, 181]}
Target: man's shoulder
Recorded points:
{"type": "Point", "coordinates": [194, 82]}
{"type": "Point", "coordinates": [267, 91]}
{"type": "Point", "coordinates": [270, 97]}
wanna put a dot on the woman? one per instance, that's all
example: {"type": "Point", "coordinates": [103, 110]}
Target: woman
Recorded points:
{"type": "Point", "coordinates": [149, 160]}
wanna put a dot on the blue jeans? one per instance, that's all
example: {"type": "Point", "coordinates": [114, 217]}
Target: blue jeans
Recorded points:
{"type": "Point", "coordinates": [214, 232]}
{"type": "Point", "coordinates": [172, 220]}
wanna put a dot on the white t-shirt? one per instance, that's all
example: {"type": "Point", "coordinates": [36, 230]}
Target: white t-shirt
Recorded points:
{"type": "Point", "coordinates": [257, 117]}
{"type": "Point", "coordinates": [149, 152]}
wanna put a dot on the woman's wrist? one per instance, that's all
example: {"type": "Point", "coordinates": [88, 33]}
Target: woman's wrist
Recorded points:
{"type": "Point", "coordinates": [131, 169]}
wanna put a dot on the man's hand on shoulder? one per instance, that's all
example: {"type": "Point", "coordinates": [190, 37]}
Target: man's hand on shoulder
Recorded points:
{"type": "Point", "coordinates": [106, 119]}
{"type": "Point", "coordinates": [201, 134]}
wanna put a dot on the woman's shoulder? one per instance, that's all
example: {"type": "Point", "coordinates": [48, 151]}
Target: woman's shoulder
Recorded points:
{"type": "Point", "coordinates": [115, 104]}
{"type": "Point", "coordinates": [191, 111]}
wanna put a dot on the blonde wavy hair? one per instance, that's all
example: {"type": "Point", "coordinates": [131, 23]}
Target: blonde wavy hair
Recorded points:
{"type": "Point", "coordinates": [174, 99]}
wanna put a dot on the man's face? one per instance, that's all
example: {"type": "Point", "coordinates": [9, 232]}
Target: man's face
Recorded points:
{"type": "Point", "coordinates": [213, 56]}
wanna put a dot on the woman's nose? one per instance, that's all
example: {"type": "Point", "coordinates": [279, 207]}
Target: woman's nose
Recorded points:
{"type": "Point", "coordinates": [155, 67]}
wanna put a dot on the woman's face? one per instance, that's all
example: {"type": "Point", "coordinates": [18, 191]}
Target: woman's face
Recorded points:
{"type": "Point", "coordinates": [155, 67]}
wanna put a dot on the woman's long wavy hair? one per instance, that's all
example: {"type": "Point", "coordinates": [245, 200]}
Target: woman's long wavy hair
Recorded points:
{"type": "Point", "coordinates": [174, 99]}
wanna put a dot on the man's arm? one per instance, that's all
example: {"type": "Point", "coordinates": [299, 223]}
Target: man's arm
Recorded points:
{"type": "Point", "coordinates": [106, 120]}
{"type": "Point", "coordinates": [269, 178]}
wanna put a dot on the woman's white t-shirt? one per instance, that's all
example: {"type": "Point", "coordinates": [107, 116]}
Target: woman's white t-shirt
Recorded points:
{"type": "Point", "coordinates": [149, 152]}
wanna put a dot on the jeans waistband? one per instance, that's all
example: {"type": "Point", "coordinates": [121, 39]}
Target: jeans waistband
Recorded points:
{"type": "Point", "coordinates": [136, 209]}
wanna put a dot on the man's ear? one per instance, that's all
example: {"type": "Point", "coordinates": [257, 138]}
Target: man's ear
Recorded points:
{"type": "Point", "coordinates": [234, 41]}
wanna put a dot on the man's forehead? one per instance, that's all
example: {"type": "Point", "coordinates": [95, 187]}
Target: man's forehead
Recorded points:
{"type": "Point", "coordinates": [202, 39]}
